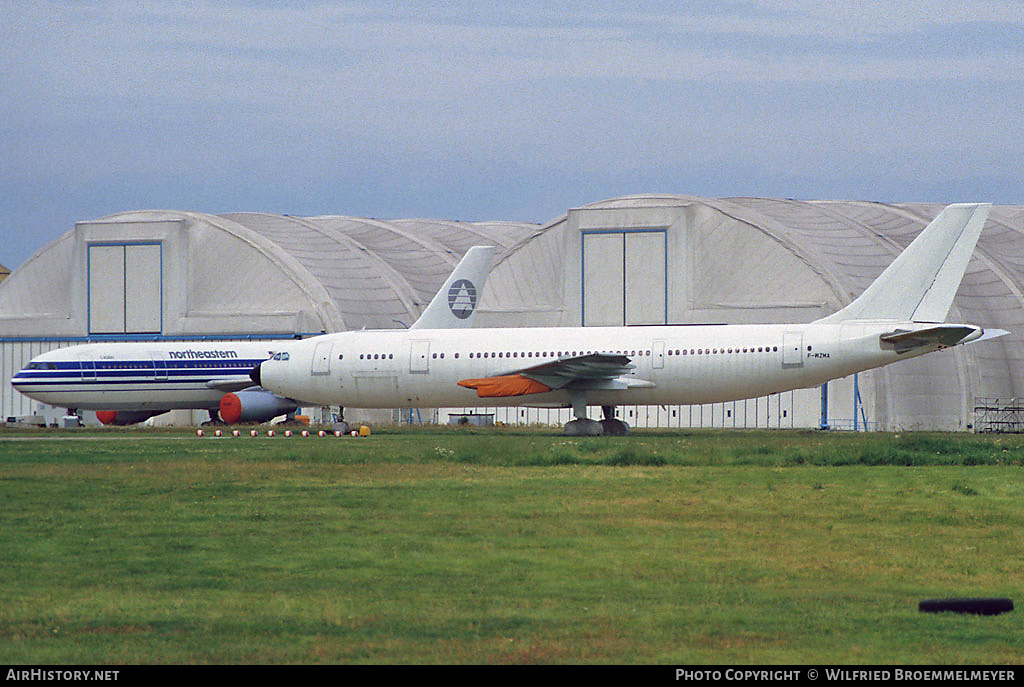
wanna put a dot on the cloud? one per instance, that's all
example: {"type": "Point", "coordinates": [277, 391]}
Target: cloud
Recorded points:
{"type": "Point", "coordinates": [151, 103]}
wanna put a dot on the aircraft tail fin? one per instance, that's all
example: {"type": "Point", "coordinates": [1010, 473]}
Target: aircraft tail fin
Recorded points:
{"type": "Point", "coordinates": [454, 305]}
{"type": "Point", "coordinates": [920, 283]}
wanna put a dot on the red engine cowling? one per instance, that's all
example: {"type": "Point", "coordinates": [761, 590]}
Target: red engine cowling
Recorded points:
{"type": "Point", "coordinates": [126, 417]}
{"type": "Point", "coordinates": [254, 406]}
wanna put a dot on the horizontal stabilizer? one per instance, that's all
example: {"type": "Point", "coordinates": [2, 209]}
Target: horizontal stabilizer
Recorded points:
{"type": "Point", "coordinates": [944, 335]}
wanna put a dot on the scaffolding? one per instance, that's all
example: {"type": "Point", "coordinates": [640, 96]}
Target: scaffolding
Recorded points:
{"type": "Point", "coordinates": [999, 415]}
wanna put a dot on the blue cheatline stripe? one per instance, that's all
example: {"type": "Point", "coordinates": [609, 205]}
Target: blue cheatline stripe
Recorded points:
{"type": "Point", "coordinates": [145, 365]}
{"type": "Point", "coordinates": [77, 379]}
{"type": "Point", "coordinates": [135, 372]}
{"type": "Point", "coordinates": [94, 383]}
{"type": "Point", "coordinates": [108, 338]}
{"type": "Point", "coordinates": [148, 390]}
{"type": "Point", "coordinates": [117, 372]}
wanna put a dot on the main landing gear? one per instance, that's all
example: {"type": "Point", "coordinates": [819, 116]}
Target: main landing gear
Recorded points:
{"type": "Point", "coordinates": [582, 426]}
{"type": "Point", "coordinates": [339, 422]}
{"type": "Point", "coordinates": [612, 426]}
{"type": "Point", "coordinates": [214, 420]}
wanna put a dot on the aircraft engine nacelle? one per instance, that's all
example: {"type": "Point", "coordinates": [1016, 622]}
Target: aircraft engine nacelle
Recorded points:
{"type": "Point", "coordinates": [126, 417]}
{"type": "Point", "coordinates": [254, 406]}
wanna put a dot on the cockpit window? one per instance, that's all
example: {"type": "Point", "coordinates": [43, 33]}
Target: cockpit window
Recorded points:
{"type": "Point", "coordinates": [282, 356]}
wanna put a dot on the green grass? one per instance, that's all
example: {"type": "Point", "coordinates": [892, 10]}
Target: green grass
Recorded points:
{"type": "Point", "coordinates": [502, 546]}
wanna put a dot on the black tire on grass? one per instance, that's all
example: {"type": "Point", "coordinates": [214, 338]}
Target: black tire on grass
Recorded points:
{"type": "Point", "coordinates": [979, 606]}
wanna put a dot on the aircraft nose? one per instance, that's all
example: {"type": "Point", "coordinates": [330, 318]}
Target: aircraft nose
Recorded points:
{"type": "Point", "coordinates": [254, 375]}
{"type": "Point", "coordinates": [20, 377]}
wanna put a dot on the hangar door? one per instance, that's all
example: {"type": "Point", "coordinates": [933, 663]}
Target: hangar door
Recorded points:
{"type": "Point", "coordinates": [125, 288]}
{"type": "Point", "coordinates": [624, 277]}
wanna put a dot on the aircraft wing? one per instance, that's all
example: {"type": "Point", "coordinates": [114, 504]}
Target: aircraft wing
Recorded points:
{"type": "Point", "coordinates": [228, 384]}
{"type": "Point", "coordinates": [585, 372]}
{"type": "Point", "coordinates": [944, 334]}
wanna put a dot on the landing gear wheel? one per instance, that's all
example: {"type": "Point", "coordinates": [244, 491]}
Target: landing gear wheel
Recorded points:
{"type": "Point", "coordinates": [615, 428]}
{"type": "Point", "coordinates": [582, 427]}
{"type": "Point", "coordinates": [214, 420]}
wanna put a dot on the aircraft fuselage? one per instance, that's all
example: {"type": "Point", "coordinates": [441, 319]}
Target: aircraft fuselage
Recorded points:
{"type": "Point", "coordinates": [139, 376]}
{"type": "Point", "coordinates": [672, 364]}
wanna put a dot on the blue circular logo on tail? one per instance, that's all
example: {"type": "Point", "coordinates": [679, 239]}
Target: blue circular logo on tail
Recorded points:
{"type": "Point", "coordinates": [462, 298]}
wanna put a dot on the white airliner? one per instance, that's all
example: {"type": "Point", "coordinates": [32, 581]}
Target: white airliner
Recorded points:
{"type": "Point", "coordinates": [899, 316]}
{"type": "Point", "coordinates": [128, 382]}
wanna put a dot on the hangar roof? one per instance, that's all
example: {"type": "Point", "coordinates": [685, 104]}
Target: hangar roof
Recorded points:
{"type": "Point", "coordinates": [259, 272]}
{"type": "Point", "coordinates": [379, 273]}
{"type": "Point", "coordinates": [849, 243]}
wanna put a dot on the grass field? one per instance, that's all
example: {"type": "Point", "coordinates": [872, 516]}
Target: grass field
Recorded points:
{"type": "Point", "coordinates": [508, 546]}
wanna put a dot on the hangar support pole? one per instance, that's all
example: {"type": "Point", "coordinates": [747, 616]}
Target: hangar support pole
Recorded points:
{"type": "Point", "coordinates": [823, 424]}
{"type": "Point", "coordinates": [858, 405]}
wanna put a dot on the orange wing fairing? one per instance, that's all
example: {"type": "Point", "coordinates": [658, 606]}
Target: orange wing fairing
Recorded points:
{"type": "Point", "coordinates": [507, 385]}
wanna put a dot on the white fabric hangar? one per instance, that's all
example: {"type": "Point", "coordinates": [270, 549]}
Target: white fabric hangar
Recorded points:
{"type": "Point", "coordinates": [636, 260]}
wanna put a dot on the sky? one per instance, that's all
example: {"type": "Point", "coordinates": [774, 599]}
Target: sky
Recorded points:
{"type": "Point", "coordinates": [497, 111]}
